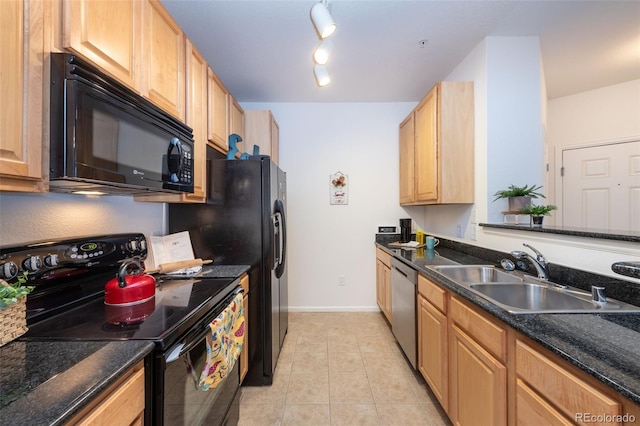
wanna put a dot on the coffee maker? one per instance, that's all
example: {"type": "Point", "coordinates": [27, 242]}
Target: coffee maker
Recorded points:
{"type": "Point", "coordinates": [405, 230]}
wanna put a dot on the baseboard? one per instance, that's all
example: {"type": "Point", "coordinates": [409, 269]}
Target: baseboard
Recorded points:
{"type": "Point", "coordinates": [334, 309]}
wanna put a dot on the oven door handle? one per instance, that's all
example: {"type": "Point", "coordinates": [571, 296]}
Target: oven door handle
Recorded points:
{"type": "Point", "coordinates": [181, 348]}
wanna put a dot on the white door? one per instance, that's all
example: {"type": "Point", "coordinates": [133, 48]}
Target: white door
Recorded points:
{"type": "Point", "coordinates": [601, 187]}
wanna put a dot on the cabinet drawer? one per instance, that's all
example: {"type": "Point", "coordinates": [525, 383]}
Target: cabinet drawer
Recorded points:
{"type": "Point", "coordinates": [567, 392]}
{"type": "Point", "coordinates": [433, 293]}
{"type": "Point", "coordinates": [123, 405]}
{"type": "Point", "coordinates": [485, 330]}
{"type": "Point", "coordinates": [383, 256]}
{"type": "Point", "coordinates": [533, 410]}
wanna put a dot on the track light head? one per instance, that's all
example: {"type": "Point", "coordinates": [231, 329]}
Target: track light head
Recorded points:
{"type": "Point", "coordinates": [323, 52]}
{"type": "Point", "coordinates": [322, 20]}
{"type": "Point", "coordinates": [322, 75]}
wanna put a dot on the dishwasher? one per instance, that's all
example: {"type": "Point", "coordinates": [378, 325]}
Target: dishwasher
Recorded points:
{"type": "Point", "coordinates": [404, 280]}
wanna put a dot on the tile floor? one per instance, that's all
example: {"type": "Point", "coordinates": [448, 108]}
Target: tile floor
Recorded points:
{"type": "Point", "coordinates": [342, 368]}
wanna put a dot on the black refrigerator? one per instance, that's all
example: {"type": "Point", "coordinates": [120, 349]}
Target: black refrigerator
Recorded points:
{"type": "Point", "coordinates": [244, 222]}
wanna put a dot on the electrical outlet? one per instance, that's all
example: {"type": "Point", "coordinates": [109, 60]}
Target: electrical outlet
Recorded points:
{"type": "Point", "coordinates": [341, 280]}
{"type": "Point", "coordinates": [459, 231]}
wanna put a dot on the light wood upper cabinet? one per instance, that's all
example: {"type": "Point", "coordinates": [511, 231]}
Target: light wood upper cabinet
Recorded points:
{"type": "Point", "coordinates": [164, 59]}
{"type": "Point", "coordinates": [439, 168]}
{"type": "Point", "coordinates": [407, 169]}
{"type": "Point", "coordinates": [261, 129]}
{"type": "Point", "coordinates": [218, 113]}
{"type": "Point", "coordinates": [107, 33]}
{"type": "Point", "coordinates": [21, 94]}
{"type": "Point", "coordinates": [236, 122]}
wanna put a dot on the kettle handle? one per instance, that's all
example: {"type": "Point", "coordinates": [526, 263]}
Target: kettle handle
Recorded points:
{"type": "Point", "coordinates": [122, 272]}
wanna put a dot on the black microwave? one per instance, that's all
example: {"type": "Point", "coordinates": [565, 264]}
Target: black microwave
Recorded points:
{"type": "Point", "coordinates": [106, 138]}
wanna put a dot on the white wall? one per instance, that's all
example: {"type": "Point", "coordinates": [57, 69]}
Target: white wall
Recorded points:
{"type": "Point", "coordinates": [325, 241]}
{"type": "Point", "coordinates": [39, 217]}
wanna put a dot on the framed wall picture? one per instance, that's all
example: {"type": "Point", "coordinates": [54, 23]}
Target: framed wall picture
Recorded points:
{"type": "Point", "coordinates": [339, 189]}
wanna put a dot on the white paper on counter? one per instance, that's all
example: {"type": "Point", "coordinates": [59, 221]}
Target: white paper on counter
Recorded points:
{"type": "Point", "coordinates": [169, 248]}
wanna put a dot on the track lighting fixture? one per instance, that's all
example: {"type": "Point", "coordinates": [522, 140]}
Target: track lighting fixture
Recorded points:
{"type": "Point", "coordinates": [322, 75]}
{"type": "Point", "coordinates": [322, 52]}
{"type": "Point", "coordinates": [322, 20]}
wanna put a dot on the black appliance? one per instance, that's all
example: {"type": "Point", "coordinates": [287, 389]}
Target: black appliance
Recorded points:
{"type": "Point", "coordinates": [107, 138]}
{"type": "Point", "coordinates": [68, 304]}
{"type": "Point", "coordinates": [405, 230]}
{"type": "Point", "coordinates": [244, 223]}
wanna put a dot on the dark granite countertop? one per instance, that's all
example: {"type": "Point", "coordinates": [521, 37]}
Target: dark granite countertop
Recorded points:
{"type": "Point", "coordinates": [46, 383]}
{"type": "Point", "coordinates": [606, 347]}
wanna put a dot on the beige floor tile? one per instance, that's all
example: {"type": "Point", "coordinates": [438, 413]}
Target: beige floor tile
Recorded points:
{"type": "Point", "coordinates": [274, 394]}
{"type": "Point", "coordinates": [390, 388]}
{"type": "Point", "coordinates": [346, 363]}
{"type": "Point", "coordinates": [406, 415]}
{"type": "Point", "coordinates": [303, 415]}
{"type": "Point", "coordinates": [261, 414]}
{"type": "Point", "coordinates": [377, 363]}
{"type": "Point", "coordinates": [343, 343]}
{"type": "Point", "coordinates": [308, 389]}
{"type": "Point", "coordinates": [374, 343]}
{"type": "Point", "coordinates": [311, 343]}
{"type": "Point", "coordinates": [350, 388]}
{"type": "Point", "coordinates": [310, 363]}
{"type": "Point", "coordinates": [354, 414]}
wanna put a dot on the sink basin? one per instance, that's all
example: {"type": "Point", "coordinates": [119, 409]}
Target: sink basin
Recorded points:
{"type": "Point", "coordinates": [535, 298]}
{"type": "Point", "coordinates": [527, 296]}
{"type": "Point", "coordinates": [465, 274]}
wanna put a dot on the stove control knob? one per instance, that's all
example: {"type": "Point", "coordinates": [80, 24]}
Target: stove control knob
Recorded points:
{"type": "Point", "coordinates": [8, 270]}
{"type": "Point", "coordinates": [143, 245]}
{"type": "Point", "coordinates": [133, 245]}
{"type": "Point", "coordinates": [32, 263]}
{"type": "Point", "coordinates": [51, 260]}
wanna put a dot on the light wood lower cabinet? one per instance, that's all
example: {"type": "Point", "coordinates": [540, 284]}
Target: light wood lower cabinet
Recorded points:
{"type": "Point", "coordinates": [433, 349]}
{"type": "Point", "coordinates": [483, 372]}
{"type": "Point", "coordinates": [383, 283]}
{"type": "Point", "coordinates": [122, 403]}
{"type": "Point", "coordinates": [21, 94]}
{"type": "Point", "coordinates": [244, 355]}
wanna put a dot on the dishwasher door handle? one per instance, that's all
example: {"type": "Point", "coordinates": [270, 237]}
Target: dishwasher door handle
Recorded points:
{"type": "Point", "coordinates": [401, 271]}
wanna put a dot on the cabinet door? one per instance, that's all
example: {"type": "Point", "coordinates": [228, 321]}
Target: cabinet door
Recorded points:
{"type": "Point", "coordinates": [407, 164]}
{"type": "Point", "coordinates": [478, 383]}
{"type": "Point", "coordinates": [432, 349]}
{"type": "Point", "coordinates": [275, 140]}
{"type": "Point", "coordinates": [196, 117]}
{"type": "Point", "coordinates": [236, 117]}
{"type": "Point", "coordinates": [380, 287]}
{"type": "Point", "coordinates": [21, 27]}
{"type": "Point", "coordinates": [387, 289]}
{"type": "Point", "coordinates": [164, 65]}
{"type": "Point", "coordinates": [107, 33]}
{"type": "Point", "coordinates": [427, 167]}
{"type": "Point", "coordinates": [218, 113]}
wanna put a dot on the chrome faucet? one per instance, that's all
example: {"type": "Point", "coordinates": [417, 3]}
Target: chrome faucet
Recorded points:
{"type": "Point", "coordinates": [539, 262]}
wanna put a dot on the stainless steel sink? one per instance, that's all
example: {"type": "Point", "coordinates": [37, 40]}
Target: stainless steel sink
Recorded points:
{"type": "Point", "coordinates": [466, 274]}
{"type": "Point", "coordinates": [530, 296]}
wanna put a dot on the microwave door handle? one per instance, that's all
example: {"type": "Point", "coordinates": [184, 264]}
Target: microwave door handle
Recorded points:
{"type": "Point", "coordinates": [174, 161]}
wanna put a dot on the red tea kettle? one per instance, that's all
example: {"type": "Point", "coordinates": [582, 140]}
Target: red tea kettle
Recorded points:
{"type": "Point", "coordinates": [129, 299]}
{"type": "Point", "coordinates": [127, 289]}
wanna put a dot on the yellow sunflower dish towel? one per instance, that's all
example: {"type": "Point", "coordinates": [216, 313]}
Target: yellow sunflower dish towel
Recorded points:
{"type": "Point", "coordinates": [224, 344]}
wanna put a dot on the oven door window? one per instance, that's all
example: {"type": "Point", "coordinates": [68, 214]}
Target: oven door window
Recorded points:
{"type": "Point", "coordinates": [184, 404]}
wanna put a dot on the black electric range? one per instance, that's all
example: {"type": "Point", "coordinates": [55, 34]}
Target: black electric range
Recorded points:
{"type": "Point", "coordinates": [67, 304]}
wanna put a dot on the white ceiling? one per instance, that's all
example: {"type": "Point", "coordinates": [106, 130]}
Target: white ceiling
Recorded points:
{"type": "Point", "coordinates": [261, 49]}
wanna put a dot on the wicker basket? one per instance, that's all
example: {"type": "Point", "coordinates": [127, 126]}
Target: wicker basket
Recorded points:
{"type": "Point", "coordinates": [13, 321]}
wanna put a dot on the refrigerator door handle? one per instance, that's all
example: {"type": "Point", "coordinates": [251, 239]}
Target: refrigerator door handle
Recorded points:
{"type": "Point", "coordinates": [277, 240]}
{"type": "Point", "coordinates": [281, 237]}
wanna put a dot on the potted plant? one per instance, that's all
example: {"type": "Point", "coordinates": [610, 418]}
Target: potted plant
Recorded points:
{"type": "Point", "coordinates": [538, 213]}
{"type": "Point", "coordinates": [519, 197]}
{"type": "Point", "coordinates": [13, 320]}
